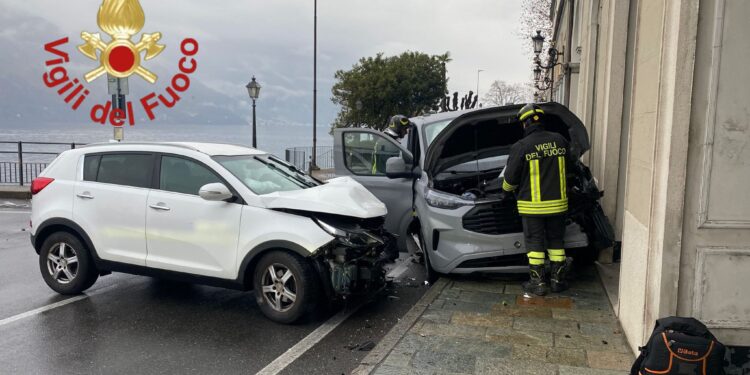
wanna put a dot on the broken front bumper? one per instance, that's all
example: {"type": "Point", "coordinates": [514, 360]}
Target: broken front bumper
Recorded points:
{"type": "Point", "coordinates": [347, 269]}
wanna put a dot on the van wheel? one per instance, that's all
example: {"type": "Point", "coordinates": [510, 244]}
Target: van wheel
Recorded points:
{"type": "Point", "coordinates": [66, 264]}
{"type": "Point", "coordinates": [285, 286]}
{"type": "Point", "coordinates": [431, 276]}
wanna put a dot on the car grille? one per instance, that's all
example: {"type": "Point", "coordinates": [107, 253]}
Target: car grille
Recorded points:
{"type": "Point", "coordinates": [493, 218]}
{"type": "Point", "coordinates": [501, 261]}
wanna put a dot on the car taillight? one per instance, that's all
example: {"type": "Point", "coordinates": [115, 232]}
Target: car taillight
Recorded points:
{"type": "Point", "coordinates": [39, 183]}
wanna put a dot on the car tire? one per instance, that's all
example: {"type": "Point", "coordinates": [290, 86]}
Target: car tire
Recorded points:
{"type": "Point", "coordinates": [431, 276]}
{"type": "Point", "coordinates": [66, 264]}
{"type": "Point", "coordinates": [273, 287]}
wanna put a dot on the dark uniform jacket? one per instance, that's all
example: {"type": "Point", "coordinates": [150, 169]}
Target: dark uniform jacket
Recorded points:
{"type": "Point", "coordinates": [536, 170]}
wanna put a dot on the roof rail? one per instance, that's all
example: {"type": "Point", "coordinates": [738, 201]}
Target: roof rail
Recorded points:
{"type": "Point", "coordinates": [141, 144]}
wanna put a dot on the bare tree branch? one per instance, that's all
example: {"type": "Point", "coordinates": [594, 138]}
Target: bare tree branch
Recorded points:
{"type": "Point", "coordinates": [535, 15]}
{"type": "Point", "coordinates": [502, 93]}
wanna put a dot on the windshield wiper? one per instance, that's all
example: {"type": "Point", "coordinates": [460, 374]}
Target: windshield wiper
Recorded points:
{"type": "Point", "coordinates": [274, 167]}
{"type": "Point", "coordinates": [298, 171]}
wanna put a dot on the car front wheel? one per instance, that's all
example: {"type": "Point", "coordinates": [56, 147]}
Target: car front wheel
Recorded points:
{"type": "Point", "coordinates": [285, 286]}
{"type": "Point", "coordinates": [66, 265]}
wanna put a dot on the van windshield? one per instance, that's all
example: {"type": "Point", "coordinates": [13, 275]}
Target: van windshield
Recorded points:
{"type": "Point", "coordinates": [431, 130]}
{"type": "Point", "coordinates": [264, 174]}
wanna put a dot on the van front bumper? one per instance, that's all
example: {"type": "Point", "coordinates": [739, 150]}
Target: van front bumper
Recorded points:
{"type": "Point", "coordinates": [453, 249]}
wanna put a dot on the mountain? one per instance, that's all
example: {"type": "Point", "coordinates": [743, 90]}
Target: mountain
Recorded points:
{"type": "Point", "coordinates": [216, 95]}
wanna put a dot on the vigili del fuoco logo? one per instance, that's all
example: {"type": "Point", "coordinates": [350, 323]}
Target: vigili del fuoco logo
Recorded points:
{"type": "Point", "coordinates": [119, 59]}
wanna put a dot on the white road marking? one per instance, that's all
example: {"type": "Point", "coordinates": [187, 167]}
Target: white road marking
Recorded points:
{"type": "Point", "coordinates": [296, 351]}
{"type": "Point", "coordinates": [280, 363]}
{"type": "Point", "coordinates": [42, 309]}
{"type": "Point", "coordinates": [51, 306]}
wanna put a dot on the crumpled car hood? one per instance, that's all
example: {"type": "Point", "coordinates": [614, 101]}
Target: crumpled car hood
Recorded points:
{"type": "Point", "coordinates": [339, 196]}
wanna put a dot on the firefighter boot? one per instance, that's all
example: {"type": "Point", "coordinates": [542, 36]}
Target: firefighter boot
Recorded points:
{"type": "Point", "coordinates": [536, 284]}
{"type": "Point", "coordinates": [558, 275]}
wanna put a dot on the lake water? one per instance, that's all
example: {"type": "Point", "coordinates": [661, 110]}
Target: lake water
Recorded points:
{"type": "Point", "coordinates": [274, 139]}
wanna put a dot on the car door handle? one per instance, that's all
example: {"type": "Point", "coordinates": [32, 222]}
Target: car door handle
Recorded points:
{"type": "Point", "coordinates": [85, 195]}
{"type": "Point", "coordinates": [159, 206]}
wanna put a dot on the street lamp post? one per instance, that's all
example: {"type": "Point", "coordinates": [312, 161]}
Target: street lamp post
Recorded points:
{"type": "Point", "coordinates": [478, 71]}
{"type": "Point", "coordinates": [314, 156]}
{"type": "Point", "coordinates": [552, 57]}
{"type": "Point", "coordinates": [358, 105]}
{"type": "Point", "coordinates": [253, 90]}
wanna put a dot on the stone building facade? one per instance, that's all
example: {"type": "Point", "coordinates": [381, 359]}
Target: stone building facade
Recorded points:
{"type": "Point", "coordinates": [664, 91]}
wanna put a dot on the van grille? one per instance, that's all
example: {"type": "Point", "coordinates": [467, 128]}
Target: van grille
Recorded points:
{"type": "Point", "coordinates": [493, 218]}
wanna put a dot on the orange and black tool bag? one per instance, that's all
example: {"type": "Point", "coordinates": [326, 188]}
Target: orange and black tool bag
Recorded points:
{"type": "Point", "coordinates": [681, 346]}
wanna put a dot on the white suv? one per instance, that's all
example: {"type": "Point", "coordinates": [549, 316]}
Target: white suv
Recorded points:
{"type": "Point", "coordinates": [214, 214]}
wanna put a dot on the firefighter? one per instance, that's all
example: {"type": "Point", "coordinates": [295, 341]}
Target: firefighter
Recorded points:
{"type": "Point", "coordinates": [397, 128]}
{"type": "Point", "coordinates": [535, 171]}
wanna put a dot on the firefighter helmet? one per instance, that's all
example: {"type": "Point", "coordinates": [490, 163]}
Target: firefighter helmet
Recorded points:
{"type": "Point", "coordinates": [530, 113]}
{"type": "Point", "coordinates": [398, 126]}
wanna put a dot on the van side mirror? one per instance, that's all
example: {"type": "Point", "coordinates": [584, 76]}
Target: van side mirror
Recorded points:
{"type": "Point", "coordinates": [215, 192]}
{"type": "Point", "coordinates": [395, 167]}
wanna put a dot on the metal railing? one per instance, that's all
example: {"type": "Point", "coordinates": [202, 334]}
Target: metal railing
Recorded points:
{"type": "Point", "coordinates": [22, 172]}
{"type": "Point", "coordinates": [300, 157]}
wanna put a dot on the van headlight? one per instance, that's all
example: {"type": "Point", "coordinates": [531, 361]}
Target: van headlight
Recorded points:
{"type": "Point", "coordinates": [445, 201]}
{"type": "Point", "coordinates": [350, 237]}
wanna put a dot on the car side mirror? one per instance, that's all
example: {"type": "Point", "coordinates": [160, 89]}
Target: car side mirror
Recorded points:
{"type": "Point", "coordinates": [215, 192]}
{"type": "Point", "coordinates": [395, 167]}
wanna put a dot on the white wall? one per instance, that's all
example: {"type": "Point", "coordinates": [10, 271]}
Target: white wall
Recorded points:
{"type": "Point", "coordinates": [715, 262]}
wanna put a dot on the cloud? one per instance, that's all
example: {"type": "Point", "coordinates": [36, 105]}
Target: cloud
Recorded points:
{"type": "Point", "coordinates": [273, 41]}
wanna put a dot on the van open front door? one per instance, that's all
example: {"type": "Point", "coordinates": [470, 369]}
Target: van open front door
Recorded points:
{"type": "Point", "coordinates": [363, 155]}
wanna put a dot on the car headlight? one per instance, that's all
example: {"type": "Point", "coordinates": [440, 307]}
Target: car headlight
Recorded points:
{"type": "Point", "coordinates": [445, 201]}
{"type": "Point", "coordinates": [350, 237]}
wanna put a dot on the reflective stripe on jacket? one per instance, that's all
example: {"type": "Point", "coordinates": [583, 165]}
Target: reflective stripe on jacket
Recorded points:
{"type": "Point", "coordinates": [536, 170]}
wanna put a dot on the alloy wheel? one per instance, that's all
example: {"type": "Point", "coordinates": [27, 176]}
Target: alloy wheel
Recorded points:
{"type": "Point", "coordinates": [62, 263]}
{"type": "Point", "coordinates": [279, 287]}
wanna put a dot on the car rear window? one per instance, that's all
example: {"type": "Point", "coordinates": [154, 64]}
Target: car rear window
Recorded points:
{"type": "Point", "coordinates": [91, 167]}
{"type": "Point", "coordinates": [120, 169]}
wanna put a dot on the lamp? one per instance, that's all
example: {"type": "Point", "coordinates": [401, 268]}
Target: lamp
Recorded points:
{"type": "Point", "coordinates": [253, 89]}
{"type": "Point", "coordinates": [538, 41]}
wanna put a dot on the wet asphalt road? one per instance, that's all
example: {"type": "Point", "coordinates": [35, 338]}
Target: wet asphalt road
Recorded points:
{"type": "Point", "coordinates": [133, 324]}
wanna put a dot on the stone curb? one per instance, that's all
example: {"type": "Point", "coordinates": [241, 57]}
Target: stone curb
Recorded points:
{"type": "Point", "coordinates": [378, 354]}
{"type": "Point", "coordinates": [15, 192]}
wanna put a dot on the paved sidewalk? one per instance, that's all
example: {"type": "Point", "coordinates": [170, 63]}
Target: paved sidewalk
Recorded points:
{"type": "Point", "coordinates": [485, 326]}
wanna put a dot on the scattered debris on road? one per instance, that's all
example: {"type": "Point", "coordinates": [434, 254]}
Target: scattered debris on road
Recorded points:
{"type": "Point", "coordinates": [362, 347]}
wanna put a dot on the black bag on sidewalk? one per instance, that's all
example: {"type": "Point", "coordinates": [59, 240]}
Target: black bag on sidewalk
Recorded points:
{"type": "Point", "coordinates": [680, 346]}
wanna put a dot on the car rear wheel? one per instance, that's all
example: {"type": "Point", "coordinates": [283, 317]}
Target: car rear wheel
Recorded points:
{"type": "Point", "coordinates": [285, 285]}
{"type": "Point", "coordinates": [66, 265]}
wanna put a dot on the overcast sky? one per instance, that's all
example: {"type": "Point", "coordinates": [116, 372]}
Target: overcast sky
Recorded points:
{"type": "Point", "coordinates": [273, 40]}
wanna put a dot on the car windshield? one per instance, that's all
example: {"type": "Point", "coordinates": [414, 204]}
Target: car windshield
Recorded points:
{"type": "Point", "coordinates": [264, 174]}
{"type": "Point", "coordinates": [431, 130]}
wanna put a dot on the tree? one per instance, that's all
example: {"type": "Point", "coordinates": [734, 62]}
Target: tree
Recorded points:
{"type": "Point", "coordinates": [379, 87]}
{"type": "Point", "coordinates": [535, 15]}
{"type": "Point", "coordinates": [502, 93]}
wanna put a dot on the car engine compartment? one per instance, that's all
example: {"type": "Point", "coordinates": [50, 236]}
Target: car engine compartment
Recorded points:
{"type": "Point", "coordinates": [470, 185]}
{"type": "Point", "coordinates": [354, 264]}
{"type": "Point", "coordinates": [472, 158]}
